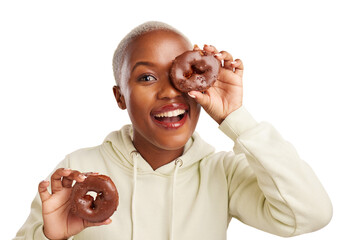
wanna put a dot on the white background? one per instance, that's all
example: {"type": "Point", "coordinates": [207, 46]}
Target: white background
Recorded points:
{"type": "Point", "coordinates": [56, 80]}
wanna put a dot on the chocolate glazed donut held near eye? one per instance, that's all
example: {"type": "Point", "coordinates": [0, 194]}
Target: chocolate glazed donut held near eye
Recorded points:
{"type": "Point", "coordinates": [100, 209]}
{"type": "Point", "coordinates": [194, 70]}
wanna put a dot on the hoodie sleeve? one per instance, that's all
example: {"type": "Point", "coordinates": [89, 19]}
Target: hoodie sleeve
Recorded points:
{"type": "Point", "coordinates": [269, 186]}
{"type": "Point", "coordinates": [32, 229]}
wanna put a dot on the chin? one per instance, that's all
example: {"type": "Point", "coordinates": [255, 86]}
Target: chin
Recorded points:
{"type": "Point", "coordinates": [173, 142]}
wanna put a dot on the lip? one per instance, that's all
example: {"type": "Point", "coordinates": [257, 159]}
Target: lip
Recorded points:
{"type": "Point", "coordinates": [170, 107]}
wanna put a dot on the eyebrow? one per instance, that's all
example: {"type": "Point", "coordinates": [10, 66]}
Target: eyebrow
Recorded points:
{"type": "Point", "coordinates": [142, 63]}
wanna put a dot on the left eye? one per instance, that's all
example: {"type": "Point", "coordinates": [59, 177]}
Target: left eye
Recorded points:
{"type": "Point", "coordinates": [147, 78]}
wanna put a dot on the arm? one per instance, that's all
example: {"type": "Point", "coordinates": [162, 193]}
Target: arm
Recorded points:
{"type": "Point", "coordinates": [270, 187]}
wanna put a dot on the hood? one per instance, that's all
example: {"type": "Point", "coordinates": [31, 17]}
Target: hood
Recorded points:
{"type": "Point", "coordinates": [120, 142]}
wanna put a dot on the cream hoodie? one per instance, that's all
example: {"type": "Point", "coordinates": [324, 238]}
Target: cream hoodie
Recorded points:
{"type": "Point", "coordinates": [264, 184]}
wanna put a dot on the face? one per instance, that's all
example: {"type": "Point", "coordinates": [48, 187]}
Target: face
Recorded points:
{"type": "Point", "coordinates": [162, 117]}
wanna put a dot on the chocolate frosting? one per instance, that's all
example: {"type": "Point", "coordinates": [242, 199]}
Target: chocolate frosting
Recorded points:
{"type": "Point", "coordinates": [102, 207]}
{"type": "Point", "coordinates": [194, 70]}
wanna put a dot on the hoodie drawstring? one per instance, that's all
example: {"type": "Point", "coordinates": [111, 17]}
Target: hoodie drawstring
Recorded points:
{"type": "Point", "coordinates": [178, 163]}
{"type": "Point", "coordinates": [133, 201]}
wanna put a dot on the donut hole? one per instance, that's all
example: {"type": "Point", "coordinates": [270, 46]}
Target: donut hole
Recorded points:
{"type": "Point", "coordinates": [198, 69]}
{"type": "Point", "coordinates": [91, 197]}
{"type": "Point", "coordinates": [195, 69]}
{"type": "Point", "coordinates": [93, 194]}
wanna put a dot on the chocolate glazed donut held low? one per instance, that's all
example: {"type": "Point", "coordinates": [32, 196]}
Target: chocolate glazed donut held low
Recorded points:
{"type": "Point", "coordinates": [194, 70]}
{"type": "Point", "coordinates": [90, 209]}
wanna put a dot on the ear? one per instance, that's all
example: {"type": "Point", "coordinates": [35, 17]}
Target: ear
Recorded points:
{"type": "Point", "coordinates": [119, 97]}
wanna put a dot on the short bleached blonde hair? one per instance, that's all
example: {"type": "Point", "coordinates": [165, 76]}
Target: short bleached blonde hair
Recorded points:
{"type": "Point", "coordinates": [146, 27]}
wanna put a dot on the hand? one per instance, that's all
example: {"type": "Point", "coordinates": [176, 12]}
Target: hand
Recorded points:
{"type": "Point", "coordinates": [59, 222]}
{"type": "Point", "coordinates": [225, 96]}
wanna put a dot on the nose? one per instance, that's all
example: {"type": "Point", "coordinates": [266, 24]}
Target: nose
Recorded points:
{"type": "Point", "coordinates": [167, 90]}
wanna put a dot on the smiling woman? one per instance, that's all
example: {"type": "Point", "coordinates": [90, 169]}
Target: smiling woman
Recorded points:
{"type": "Point", "coordinates": [56, 96]}
{"type": "Point", "coordinates": [150, 56]}
{"type": "Point", "coordinates": [171, 183]}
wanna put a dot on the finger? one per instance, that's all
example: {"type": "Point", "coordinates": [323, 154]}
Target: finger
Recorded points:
{"type": "Point", "coordinates": [238, 67]}
{"type": "Point", "coordinates": [226, 58]}
{"type": "Point", "coordinates": [201, 98]}
{"type": "Point", "coordinates": [43, 191]}
{"type": "Point", "coordinates": [90, 173]}
{"type": "Point", "coordinates": [91, 224]}
{"type": "Point", "coordinates": [56, 179]}
{"type": "Point", "coordinates": [77, 176]}
{"type": "Point", "coordinates": [210, 48]}
{"type": "Point", "coordinates": [67, 181]}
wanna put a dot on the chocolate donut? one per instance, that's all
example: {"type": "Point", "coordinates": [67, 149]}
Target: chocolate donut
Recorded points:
{"type": "Point", "coordinates": [194, 70]}
{"type": "Point", "coordinates": [90, 209]}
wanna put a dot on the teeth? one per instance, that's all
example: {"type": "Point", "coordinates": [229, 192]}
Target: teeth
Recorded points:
{"type": "Point", "coordinates": [173, 113]}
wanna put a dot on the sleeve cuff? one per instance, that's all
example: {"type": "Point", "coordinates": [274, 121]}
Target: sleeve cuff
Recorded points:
{"type": "Point", "coordinates": [39, 234]}
{"type": "Point", "coordinates": [237, 122]}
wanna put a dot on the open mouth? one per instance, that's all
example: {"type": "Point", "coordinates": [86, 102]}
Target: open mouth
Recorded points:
{"type": "Point", "coordinates": [171, 116]}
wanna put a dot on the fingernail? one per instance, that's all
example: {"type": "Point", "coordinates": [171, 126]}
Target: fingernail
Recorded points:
{"type": "Point", "coordinates": [66, 169]}
{"type": "Point", "coordinates": [233, 62]}
{"type": "Point", "coordinates": [44, 181]}
{"type": "Point", "coordinates": [218, 54]}
{"type": "Point", "coordinates": [189, 94]}
{"type": "Point", "coordinates": [90, 173]}
{"type": "Point", "coordinates": [82, 176]}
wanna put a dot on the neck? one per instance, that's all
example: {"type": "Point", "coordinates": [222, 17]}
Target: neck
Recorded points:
{"type": "Point", "coordinates": [157, 157]}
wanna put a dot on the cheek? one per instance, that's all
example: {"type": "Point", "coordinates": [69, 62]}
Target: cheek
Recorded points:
{"type": "Point", "coordinates": [139, 104]}
{"type": "Point", "coordinates": [195, 110]}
